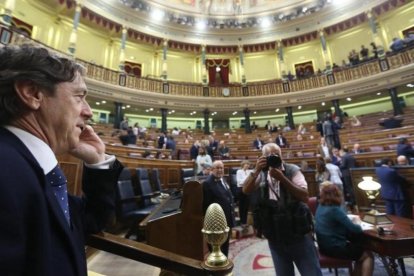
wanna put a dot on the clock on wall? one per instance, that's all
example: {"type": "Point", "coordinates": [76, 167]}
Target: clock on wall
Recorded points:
{"type": "Point", "coordinates": [226, 92]}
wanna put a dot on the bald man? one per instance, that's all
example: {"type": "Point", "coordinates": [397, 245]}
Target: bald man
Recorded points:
{"type": "Point", "coordinates": [402, 160]}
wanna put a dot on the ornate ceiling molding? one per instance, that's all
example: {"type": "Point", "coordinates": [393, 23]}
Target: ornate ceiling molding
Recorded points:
{"type": "Point", "coordinates": [332, 18]}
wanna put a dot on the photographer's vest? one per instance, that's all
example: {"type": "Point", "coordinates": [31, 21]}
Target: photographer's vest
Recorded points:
{"type": "Point", "coordinates": [284, 220]}
{"type": "Point", "coordinates": [289, 171]}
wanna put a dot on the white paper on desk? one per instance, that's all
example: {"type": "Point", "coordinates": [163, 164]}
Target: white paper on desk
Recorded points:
{"type": "Point", "coordinates": [366, 226]}
{"type": "Point", "coordinates": [354, 218]}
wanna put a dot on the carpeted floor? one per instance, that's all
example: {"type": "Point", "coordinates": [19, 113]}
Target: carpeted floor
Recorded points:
{"type": "Point", "coordinates": [251, 256]}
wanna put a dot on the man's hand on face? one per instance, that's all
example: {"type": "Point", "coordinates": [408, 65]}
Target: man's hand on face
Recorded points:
{"type": "Point", "coordinates": [90, 148]}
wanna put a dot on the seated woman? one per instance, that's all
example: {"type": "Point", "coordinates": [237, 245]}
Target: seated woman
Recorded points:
{"type": "Point", "coordinates": [202, 159]}
{"type": "Point", "coordinates": [337, 235]}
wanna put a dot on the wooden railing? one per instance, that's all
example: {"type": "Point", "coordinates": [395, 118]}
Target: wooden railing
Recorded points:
{"type": "Point", "coordinates": [154, 256]}
{"type": "Point", "coordinates": [270, 87]}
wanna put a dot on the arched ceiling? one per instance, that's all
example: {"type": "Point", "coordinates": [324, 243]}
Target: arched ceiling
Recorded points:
{"type": "Point", "coordinates": [229, 22]}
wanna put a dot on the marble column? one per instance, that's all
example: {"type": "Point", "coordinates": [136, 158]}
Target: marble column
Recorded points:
{"type": "Point", "coordinates": [9, 6]}
{"type": "Point", "coordinates": [282, 65]}
{"type": "Point", "coordinates": [118, 114]}
{"type": "Point", "coordinates": [203, 65]}
{"type": "Point", "coordinates": [164, 112]}
{"type": "Point", "coordinates": [247, 126]}
{"type": "Point", "coordinates": [122, 50]}
{"type": "Point", "coordinates": [164, 60]}
{"type": "Point", "coordinates": [206, 113]}
{"type": "Point", "coordinates": [395, 101]}
{"type": "Point", "coordinates": [325, 54]}
{"type": "Point", "coordinates": [74, 34]}
{"type": "Point", "coordinates": [375, 35]}
{"type": "Point", "coordinates": [290, 121]}
{"type": "Point", "coordinates": [241, 57]}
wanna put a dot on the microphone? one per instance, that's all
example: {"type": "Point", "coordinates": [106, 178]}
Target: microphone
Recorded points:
{"type": "Point", "coordinates": [215, 231]}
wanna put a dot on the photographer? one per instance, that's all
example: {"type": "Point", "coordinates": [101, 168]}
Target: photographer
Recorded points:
{"type": "Point", "coordinates": [283, 187]}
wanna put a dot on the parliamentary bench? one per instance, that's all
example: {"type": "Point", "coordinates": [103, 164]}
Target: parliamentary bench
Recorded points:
{"type": "Point", "coordinates": [117, 149]}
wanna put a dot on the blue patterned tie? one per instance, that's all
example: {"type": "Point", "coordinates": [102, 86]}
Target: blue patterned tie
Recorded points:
{"type": "Point", "coordinates": [58, 181]}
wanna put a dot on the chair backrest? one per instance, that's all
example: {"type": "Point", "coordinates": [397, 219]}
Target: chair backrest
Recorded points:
{"type": "Point", "coordinates": [233, 170]}
{"type": "Point", "coordinates": [124, 191]}
{"type": "Point", "coordinates": [183, 154]}
{"type": "Point", "coordinates": [377, 162]}
{"type": "Point", "coordinates": [376, 148]}
{"type": "Point", "coordinates": [186, 174]}
{"type": "Point", "coordinates": [313, 204]}
{"type": "Point", "coordinates": [155, 180]}
{"type": "Point", "coordinates": [144, 185]}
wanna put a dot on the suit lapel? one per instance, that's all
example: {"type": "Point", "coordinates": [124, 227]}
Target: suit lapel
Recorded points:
{"type": "Point", "coordinates": [54, 208]}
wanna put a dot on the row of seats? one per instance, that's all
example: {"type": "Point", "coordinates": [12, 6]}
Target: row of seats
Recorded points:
{"type": "Point", "coordinates": [135, 199]}
{"type": "Point", "coordinates": [137, 195]}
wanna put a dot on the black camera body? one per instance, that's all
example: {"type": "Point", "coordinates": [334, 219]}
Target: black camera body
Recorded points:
{"type": "Point", "coordinates": [273, 161]}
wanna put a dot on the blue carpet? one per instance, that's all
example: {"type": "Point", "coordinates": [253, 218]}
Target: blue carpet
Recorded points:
{"type": "Point", "coordinates": [251, 256]}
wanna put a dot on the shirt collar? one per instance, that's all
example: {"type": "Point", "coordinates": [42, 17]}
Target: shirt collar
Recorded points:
{"type": "Point", "coordinates": [39, 149]}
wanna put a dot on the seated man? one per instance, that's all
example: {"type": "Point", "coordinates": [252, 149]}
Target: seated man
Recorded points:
{"type": "Point", "coordinates": [404, 148]}
{"type": "Point", "coordinates": [258, 142]}
{"type": "Point", "coordinates": [223, 150]}
{"type": "Point", "coordinates": [402, 160]}
{"type": "Point", "coordinates": [281, 141]}
{"type": "Point", "coordinates": [356, 149]}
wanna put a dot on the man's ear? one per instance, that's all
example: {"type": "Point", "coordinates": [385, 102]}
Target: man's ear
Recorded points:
{"type": "Point", "coordinates": [29, 93]}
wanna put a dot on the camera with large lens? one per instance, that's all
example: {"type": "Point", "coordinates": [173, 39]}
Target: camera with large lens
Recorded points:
{"type": "Point", "coordinates": [274, 161]}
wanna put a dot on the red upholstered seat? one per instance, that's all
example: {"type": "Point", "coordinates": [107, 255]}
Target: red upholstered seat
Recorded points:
{"type": "Point", "coordinates": [335, 263]}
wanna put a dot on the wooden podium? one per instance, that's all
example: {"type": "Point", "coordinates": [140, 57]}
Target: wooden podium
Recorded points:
{"type": "Point", "coordinates": [176, 224]}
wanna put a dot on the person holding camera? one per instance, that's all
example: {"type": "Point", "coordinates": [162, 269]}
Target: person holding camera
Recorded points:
{"type": "Point", "coordinates": [283, 187]}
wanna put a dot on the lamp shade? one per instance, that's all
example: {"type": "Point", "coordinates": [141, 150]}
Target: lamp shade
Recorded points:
{"type": "Point", "coordinates": [368, 184]}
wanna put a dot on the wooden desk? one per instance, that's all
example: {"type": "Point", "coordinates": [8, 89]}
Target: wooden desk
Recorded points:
{"type": "Point", "coordinates": [176, 224]}
{"type": "Point", "coordinates": [393, 246]}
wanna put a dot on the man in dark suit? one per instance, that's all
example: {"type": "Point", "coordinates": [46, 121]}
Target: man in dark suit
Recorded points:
{"type": "Point", "coordinates": [216, 190]}
{"type": "Point", "coordinates": [392, 192]}
{"type": "Point", "coordinates": [357, 149]}
{"type": "Point", "coordinates": [347, 161]}
{"type": "Point", "coordinates": [194, 150]}
{"type": "Point", "coordinates": [171, 145]}
{"type": "Point", "coordinates": [281, 141]}
{"type": "Point", "coordinates": [328, 131]}
{"type": "Point", "coordinates": [43, 113]}
{"type": "Point", "coordinates": [404, 148]}
{"type": "Point", "coordinates": [162, 140]}
{"type": "Point", "coordinates": [258, 142]}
